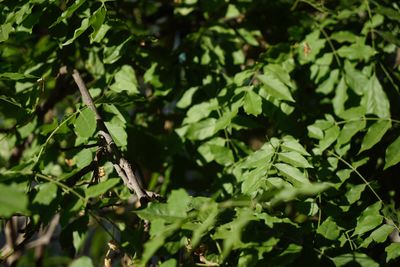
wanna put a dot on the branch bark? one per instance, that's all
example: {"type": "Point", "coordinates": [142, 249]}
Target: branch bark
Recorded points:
{"type": "Point", "coordinates": [121, 165]}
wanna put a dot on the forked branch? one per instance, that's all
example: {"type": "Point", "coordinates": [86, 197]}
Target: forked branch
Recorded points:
{"type": "Point", "coordinates": [121, 165]}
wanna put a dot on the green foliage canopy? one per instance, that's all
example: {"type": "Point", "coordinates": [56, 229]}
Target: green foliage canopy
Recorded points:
{"type": "Point", "coordinates": [271, 127]}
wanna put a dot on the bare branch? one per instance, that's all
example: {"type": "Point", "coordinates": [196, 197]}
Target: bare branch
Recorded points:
{"type": "Point", "coordinates": [45, 238]}
{"type": "Point", "coordinates": [121, 165]}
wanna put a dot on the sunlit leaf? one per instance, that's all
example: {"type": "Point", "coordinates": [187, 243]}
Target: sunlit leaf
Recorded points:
{"type": "Point", "coordinates": [295, 159]}
{"type": "Point", "coordinates": [392, 251]}
{"type": "Point", "coordinates": [85, 124]}
{"type": "Point", "coordinates": [252, 103]}
{"type": "Point", "coordinates": [292, 174]}
{"type": "Point", "coordinates": [275, 87]}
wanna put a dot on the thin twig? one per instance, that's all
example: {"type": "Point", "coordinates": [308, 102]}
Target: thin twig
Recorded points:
{"type": "Point", "coordinates": [47, 234]}
{"type": "Point", "coordinates": [121, 165]}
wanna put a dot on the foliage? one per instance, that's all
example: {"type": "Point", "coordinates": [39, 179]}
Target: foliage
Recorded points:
{"type": "Point", "coordinates": [271, 127]}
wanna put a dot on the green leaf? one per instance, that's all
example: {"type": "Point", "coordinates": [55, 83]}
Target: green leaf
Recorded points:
{"type": "Point", "coordinates": [357, 51]}
{"type": "Point", "coordinates": [83, 158]}
{"type": "Point", "coordinates": [369, 219]}
{"type": "Point", "coordinates": [275, 87]}
{"type": "Point", "coordinates": [125, 80]}
{"type": "Point", "coordinates": [330, 136]}
{"type": "Point", "coordinates": [392, 251]}
{"type": "Point", "coordinates": [12, 200]}
{"type": "Point", "coordinates": [375, 100]}
{"type": "Point", "coordinates": [85, 124]}
{"type": "Point", "coordinates": [151, 76]}
{"type": "Point", "coordinates": [344, 36]}
{"type": "Point", "coordinates": [113, 53]}
{"type": "Point", "coordinates": [329, 229]}
{"type": "Point", "coordinates": [360, 258]}
{"type": "Point", "coordinates": [231, 232]}
{"type": "Point", "coordinates": [118, 133]}
{"type": "Point", "coordinates": [16, 76]}
{"type": "Point", "coordinates": [70, 10]}
{"type": "Point", "coordinates": [392, 156]}
{"type": "Point", "coordinates": [381, 234]}
{"type": "Point", "coordinates": [98, 35]}
{"type": "Point", "coordinates": [221, 154]}
{"type": "Point", "coordinates": [295, 159]}
{"type": "Point", "coordinates": [252, 103]}
{"type": "Point", "coordinates": [354, 192]}
{"type": "Point", "coordinates": [78, 32]}
{"type": "Point", "coordinates": [355, 79]}
{"type": "Point", "coordinates": [349, 130]}
{"type": "Point", "coordinates": [96, 21]}
{"type": "Point", "coordinates": [292, 174]}
{"type": "Point", "coordinates": [340, 98]}
{"type": "Point", "coordinates": [292, 144]}
{"type": "Point", "coordinates": [207, 224]}
{"type": "Point", "coordinates": [169, 263]}
{"type": "Point", "coordinates": [186, 99]}
{"type": "Point", "coordinates": [311, 47]}
{"type": "Point", "coordinates": [375, 134]}
{"type": "Point", "coordinates": [254, 180]}
{"type": "Point", "coordinates": [174, 210]}
{"type": "Point", "coordinates": [201, 130]}
{"type": "Point", "coordinates": [5, 30]}
{"type": "Point", "coordinates": [200, 111]}
{"type": "Point", "coordinates": [328, 85]}
{"type": "Point", "coordinates": [101, 188]}
{"type": "Point", "coordinates": [83, 261]}
{"type": "Point", "coordinates": [47, 192]}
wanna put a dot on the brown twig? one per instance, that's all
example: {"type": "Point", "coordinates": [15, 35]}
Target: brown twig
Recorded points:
{"type": "Point", "coordinates": [45, 234]}
{"type": "Point", "coordinates": [121, 165]}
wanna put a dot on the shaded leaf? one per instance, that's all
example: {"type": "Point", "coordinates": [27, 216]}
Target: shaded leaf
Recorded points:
{"type": "Point", "coordinates": [375, 133]}
{"type": "Point", "coordinates": [69, 11]}
{"type": "Point", "coordinates": [113, 53]}
{"type": "Point", "coordinates": [47, 192]}
{"type": "Point", "coordinates": [12, 201]}
{"type": "Point", "coordinates": [329, 229]}
{"type": "Point", "coordinates": [125, 80]}
{"type": "Point", "coordinates": [349, 130]}
{"type": "Point", "coordinates": [369, 219]}
{"type": "Point", "coordinates": [78, 32]}
{"type": "Point", "coordinates": [392, 156]}
{"type": "Point", "coordinates": [101, 188]}
{"type": "Point", "coordinates": [375, 99]}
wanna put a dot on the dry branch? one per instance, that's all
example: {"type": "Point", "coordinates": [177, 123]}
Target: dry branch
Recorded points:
{"type": "Point", "coordinates": [121, 165]}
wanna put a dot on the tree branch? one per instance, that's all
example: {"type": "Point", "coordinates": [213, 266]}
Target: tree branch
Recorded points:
{"type": "Point", "coordinates": [121, 165]}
